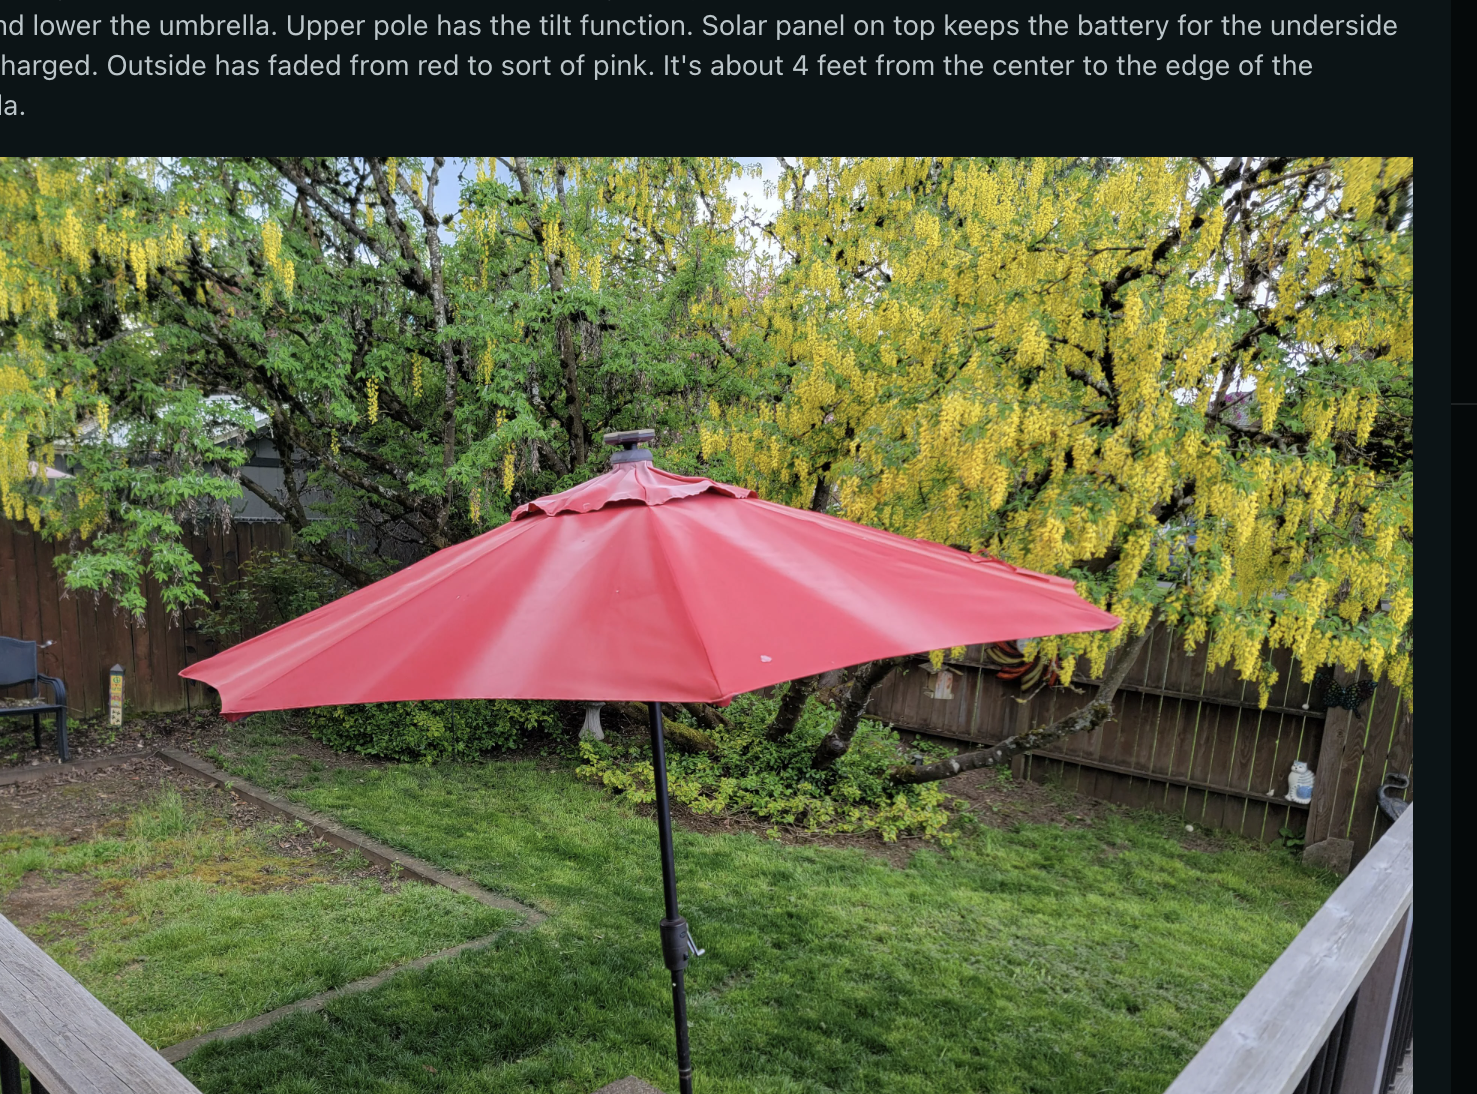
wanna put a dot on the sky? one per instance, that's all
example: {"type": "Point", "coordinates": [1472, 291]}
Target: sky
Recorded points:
{"type": "Point", "coordinates": [458, 171]}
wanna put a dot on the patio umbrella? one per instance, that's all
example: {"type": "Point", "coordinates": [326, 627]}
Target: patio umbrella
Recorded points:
{"type": "Point", "coordinates": [650, 586]}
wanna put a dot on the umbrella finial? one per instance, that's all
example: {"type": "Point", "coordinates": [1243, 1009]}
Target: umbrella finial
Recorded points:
{"type": "Point", "coordinates": [628, 440]}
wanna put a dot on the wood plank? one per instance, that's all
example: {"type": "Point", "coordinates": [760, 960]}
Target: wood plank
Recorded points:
{"type": "Point", "coordinates": [1221, 813]}
{"type": "Point", "coordinates": [52, 660]}
{"type": "Point", "coordinates": [74, 655]}
{"type": "Point", "coordinates": [1336, 728]}
{"type": "Point", "coordinates": [141, 687]}
{"type": "Point", "coordinates": [69, 1040]}
{"type": "Point", "coordinates": [163, 686]}
{"type": "Point", "coordinates": [10, 624]}
{"type": "Point", "coordinates": [1369, 819]}
{"type": "Point", "coordinates": [1208, 745]}
{"type": "Point", "coordinates": [1399, 759]}
{"type": "Point", "coordinates": [9, 588]}
{"type": "Point", "coordinates": [1151, 760]}
{"type": "Point", "coordinates": [1276, 746]}
{"type": "Point", "coordinates": [976, 702]}
{"type": "Point", "coordinates": [28, 600]}
{"type": "Point", "coordinates": [1350, 763]}
{"type": "Point", "coordinates": [1270, 1039]}
{"type": "Point", "coordinates": [1194, 715]}
{"type": "Point", "coordinates": [89, 641]}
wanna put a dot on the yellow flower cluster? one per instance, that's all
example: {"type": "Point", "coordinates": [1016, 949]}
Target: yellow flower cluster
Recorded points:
{"type": "Point", "coordinates": [283, 268]}
{"type": "Point", "coordinates": [485, 364]}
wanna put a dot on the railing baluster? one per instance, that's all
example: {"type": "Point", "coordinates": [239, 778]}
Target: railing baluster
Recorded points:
{"type": "Point", "coordinates": [10, 1071]}
{"type": "Point", "coordinates": [1402, 1020]}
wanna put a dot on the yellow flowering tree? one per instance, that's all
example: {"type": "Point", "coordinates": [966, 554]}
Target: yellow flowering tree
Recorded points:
{"type": "Point", "coordinates": [1186, 384]}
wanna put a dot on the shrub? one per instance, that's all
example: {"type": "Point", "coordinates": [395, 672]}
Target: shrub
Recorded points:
{"type": "Point", "coordinates": [430, 730]}
{"type": "Point", "coordinates": [775, 781]}
{"type": "Point", "coordinates": [274, 586]}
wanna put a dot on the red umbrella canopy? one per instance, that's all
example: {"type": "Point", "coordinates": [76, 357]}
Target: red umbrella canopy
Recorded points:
{"type": "Point", "coordinates": [642, 585]}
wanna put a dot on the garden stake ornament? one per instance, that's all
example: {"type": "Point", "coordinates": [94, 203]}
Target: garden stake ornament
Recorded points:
{"type": "Point", "coordinates": [643, 585]}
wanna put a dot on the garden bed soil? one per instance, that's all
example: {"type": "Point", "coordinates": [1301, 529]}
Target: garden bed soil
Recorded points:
{"type": "Point", "coordinates": [89, 738]}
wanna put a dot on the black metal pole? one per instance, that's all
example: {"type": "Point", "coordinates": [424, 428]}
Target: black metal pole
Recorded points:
{"type": "Point", "coordinates": [675, 941]}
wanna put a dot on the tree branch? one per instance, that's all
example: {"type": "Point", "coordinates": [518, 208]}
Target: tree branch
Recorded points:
{"type": "Point", "coordinates": [790, 707]}
{"type": "Point", "coordinates": [864, 681]}
{"type": "Point", "coordinates": [1081, 720]}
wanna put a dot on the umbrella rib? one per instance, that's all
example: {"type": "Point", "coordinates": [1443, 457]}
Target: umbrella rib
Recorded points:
{"type": "Point", "coordinates": [686, 610]}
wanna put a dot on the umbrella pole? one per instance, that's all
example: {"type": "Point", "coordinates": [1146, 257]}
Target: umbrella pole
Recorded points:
{"type": "Point", "coordinates": [676, 944]}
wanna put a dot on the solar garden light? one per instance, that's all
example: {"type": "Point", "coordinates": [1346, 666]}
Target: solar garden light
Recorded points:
{"type": "Point", "coordinates": [115, 696]}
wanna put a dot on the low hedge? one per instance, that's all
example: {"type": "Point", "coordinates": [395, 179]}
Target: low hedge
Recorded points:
{"type": "Point", "coordinates": [428, 730]}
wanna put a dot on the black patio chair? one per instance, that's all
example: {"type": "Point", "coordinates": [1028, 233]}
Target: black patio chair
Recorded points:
{"type": "Point", "coordinates": [18, 666]}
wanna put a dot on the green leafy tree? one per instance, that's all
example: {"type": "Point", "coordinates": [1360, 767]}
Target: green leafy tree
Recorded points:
{"type": "Point", "coordinates": [417, 382]}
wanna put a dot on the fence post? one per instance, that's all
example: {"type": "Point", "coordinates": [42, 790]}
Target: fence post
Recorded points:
{"type": "Point", "coordinates": [1325, 843]}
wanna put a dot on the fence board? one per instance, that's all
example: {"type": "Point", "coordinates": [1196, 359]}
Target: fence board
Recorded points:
{"type": "Point", "coordinates": [1398, 759]}
{"type": "Point", "coordinates": [9, 586]}
{"type": "Point", "coordinates": [29, 612]}
{"type": "Point", "coordinates": [1385, 714]}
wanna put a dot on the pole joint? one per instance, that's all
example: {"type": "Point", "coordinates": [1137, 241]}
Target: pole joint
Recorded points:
{"type": "Point", "coordinates": [677, 945]}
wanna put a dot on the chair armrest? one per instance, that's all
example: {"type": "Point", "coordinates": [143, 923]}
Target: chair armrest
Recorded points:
{"type": "Point", "coordinates": [58, 689]}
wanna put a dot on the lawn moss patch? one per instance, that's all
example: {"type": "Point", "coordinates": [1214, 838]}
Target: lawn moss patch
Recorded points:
{"type": "Point", "coordinates": [184, 922]}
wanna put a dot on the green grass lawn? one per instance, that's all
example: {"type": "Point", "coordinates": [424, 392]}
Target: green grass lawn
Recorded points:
{"type": "Point", "coordinates": [185, 924]}
{"type": "Point", "coordinates": [1039, 958]}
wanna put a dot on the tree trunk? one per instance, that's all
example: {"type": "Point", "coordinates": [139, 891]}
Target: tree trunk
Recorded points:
{"type": "Point", "coordinates": [1084, 718]}
{"type": "Point", "coordinates": [820, 501]}
{"type": "Point", "coordinates": [682, 737]}
{"type": "Point", "coordinates": [706, 715]}
{"type": "Point", "coordinates": [790, 707]}
{"type": "Point", "coordinates": [863, 682]}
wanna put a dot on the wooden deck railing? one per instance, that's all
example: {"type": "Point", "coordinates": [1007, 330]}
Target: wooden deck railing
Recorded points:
{"type": "Point", "coordinates": [70, 1042]}
{"type": "Point", "coordinates": [1333, 1015]}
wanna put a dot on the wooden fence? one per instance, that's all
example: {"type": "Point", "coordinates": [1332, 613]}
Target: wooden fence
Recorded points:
{"type": "Point", "coordinates": [1186, 739]}
{"type": "Point", "coordinates": [89, 635]}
